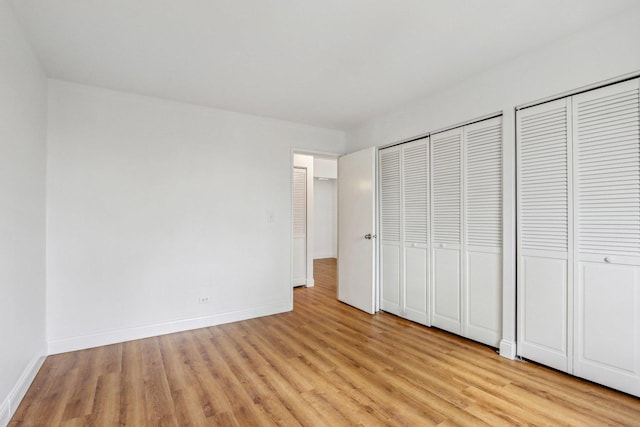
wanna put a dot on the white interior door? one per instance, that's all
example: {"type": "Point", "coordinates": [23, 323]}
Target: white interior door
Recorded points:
{"type": "Point", "coordinates": [299, 226]}
{"type": "Point", "coordinates": [356, 222]}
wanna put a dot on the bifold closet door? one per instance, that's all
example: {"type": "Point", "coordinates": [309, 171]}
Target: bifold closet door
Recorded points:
{"type": "Point", "coordinates": [482, 249]}
{"type": "Point", "coordinates": [390, 229]}
{"type": "Point", "coordinates": [415, 230]}
{"type": "Point", "coordinates": [543, 134]}
{"type": "Point", "coordinates": [446, 214]}
{"type": "Point", "coordinates": [404, 236]}
{"type": "Point", "coordinates": [607, 228]}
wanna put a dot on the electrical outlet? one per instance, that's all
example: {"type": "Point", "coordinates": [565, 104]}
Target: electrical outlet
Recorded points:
{"type": "Point", "coordinates": [203, 300]}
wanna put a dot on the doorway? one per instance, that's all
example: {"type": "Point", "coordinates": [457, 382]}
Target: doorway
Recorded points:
{"type": "Point", "coordinates": [314, 213]}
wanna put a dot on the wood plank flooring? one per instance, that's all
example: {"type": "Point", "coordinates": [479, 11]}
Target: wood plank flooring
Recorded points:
{"type": "Point", "coordinates": [325, 363]}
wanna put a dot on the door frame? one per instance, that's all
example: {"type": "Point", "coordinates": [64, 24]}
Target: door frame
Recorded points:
{"type": "Point", "coordinates": [310, 216]}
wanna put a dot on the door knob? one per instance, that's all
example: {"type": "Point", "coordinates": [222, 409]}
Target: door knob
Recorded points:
{"type": "Point", "coordinates": [369, 236]}
{"type": "Point", "coordinates": [609, 259]}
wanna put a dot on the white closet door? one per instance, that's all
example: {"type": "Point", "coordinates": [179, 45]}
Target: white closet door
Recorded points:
{"type": "Point", "coordinates": [299, 226]}
{"type": "Point", "coordinates": [483, 231]}
{"type": "Point", "coordinates": [446, 182]}
{"type": "Point", "coordinates": [607, 227]}
{"type": "Point", "coordinates": [415, 171]}
{"type": "Point", "coordinates": [543, 134]}
{"type": "Point", "coordinates": [390, 229]}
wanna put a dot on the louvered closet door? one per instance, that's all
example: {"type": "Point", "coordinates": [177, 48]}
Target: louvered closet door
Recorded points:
{"type": "Point", "coordinates": [390, 229]}
{"type": "Point", "coordinates": [543, 134]}
{"type": "Point", "coordinates": [483, 231]}
{"type": "Point", "coordinates": [446, 184]}
{"type": "Point", "coordinates": [415, 205]}
{"type": "Point", "coordinates": [299, 226]}
{"type": "Point", "coordinates": [607, 226]}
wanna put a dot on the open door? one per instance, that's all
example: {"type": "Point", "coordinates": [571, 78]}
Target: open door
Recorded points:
{"type": "Point", "coordinates": [356, 229]}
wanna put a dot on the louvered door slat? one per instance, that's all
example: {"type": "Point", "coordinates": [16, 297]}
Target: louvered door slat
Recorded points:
{"type": "Point", "coordinates": [446, 152]}
{"type": "Point", "coordinates": [544, 178]}
{"type": "Point", "coordinates": [483, 203]}
{"type": "Point", "coordinates": [607, 129]}
{"type": "Point", "coordinates": [415, 191]}
{"type": "Point", "coordinates": [390, 184]}
{"type": "Point", "coordinates": [299, 202]}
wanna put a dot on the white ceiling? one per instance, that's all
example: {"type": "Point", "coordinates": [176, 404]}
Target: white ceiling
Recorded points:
{"type": "Point", "coordinates": [331, 63]}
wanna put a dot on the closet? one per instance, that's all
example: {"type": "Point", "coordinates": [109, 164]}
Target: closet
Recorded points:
{"type": "Point", "coordinates": [579, 235]}
{"type": "Point", "coordinates": [441, 230]}
{"type": "Point", "coordinates": [404, 229]}
{"type": "Point", "coordinates": [466, 254]}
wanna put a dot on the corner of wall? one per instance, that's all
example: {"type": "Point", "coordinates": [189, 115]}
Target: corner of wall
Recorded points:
{"type": "Point", "coordinates": [11, 403]}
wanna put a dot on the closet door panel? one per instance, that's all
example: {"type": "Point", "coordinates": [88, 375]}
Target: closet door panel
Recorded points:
{"type": "Point", "coordinates": [484, 296]}
{"type": "Point", "coordinates": [543, 311]}
{"type": "Point", "coordinates": [446, 289]}
{"type": "Point", "coordinates": [446, 202]}
{"type": "Point", "coordinates": [390, 229]}
{"type": "Point", "coordinates": [608, 329]}
{"type": "Point", "coordinates": [390, 274]}
{"type": "Point", "coordinates": [416, 284]}
{"type": "Point", "coordinates": [544, 232]}
{"type": "Point", "coordinates": [415, 168]}
{"type": "Point", "coordinates": [607, 228]}
{"type": "Point", "coordinates": [483, 231]}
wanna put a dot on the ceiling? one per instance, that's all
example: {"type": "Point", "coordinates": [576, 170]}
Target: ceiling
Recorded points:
{"type": "Point", "coordinates": [330, 63]}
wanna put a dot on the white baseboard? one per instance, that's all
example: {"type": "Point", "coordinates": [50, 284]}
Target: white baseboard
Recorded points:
{"type": "Point", "coordinates": [11, 403]}
{"type": "Point", "coordinates": [63, 345]}
{"type": "Point", "coordinates": [508, 349]}
{"type": "Point", "coordinates": [310, 282]}
{"type": "Point", "coordinates": [5, 413]}
{"type": "Point", "coordinates": [324, 255]}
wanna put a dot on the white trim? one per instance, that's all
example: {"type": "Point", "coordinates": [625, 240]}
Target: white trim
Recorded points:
{"type": "Point", "coordinates": [310, 282]}
{"type": "Point", "coordinates": [576, 91]}
{"type": "Point", "coordinates": [324, 255]}
{"type": "Point", "coordinates": [444, 129]}
{"type": "Point", "coordinates": [62, 345]}
{"type": "Point", "coordinates": [508, 349]}
{"type": "Point", "coordinates": [11, 403]}
{"type": "Point", "coordinates": [405, 140]}
{"type": "Point", "coordinates": [316, 153]}
{"type": "Point", "coordinates": [469, 122]}
{"type": "Point", "coordinates": [5, 414]}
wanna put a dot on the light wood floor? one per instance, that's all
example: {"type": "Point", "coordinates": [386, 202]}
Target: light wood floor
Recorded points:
{"type": "Point", "coordinates": [325, 363]}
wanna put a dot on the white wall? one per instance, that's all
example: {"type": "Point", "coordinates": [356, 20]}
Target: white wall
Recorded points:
{"type": "Point", "coordinates": [325, 168]}
{"type": "Point", "coordinates": [152, 204]}
{"type": "Point", "coordinates": [326, 218]}
{"type": "Point", "coordinates": [597, 53]}
{"type": "Point", "coordinates": [22, 214]}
